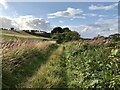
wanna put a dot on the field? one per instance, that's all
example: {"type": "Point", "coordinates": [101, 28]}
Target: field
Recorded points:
{"type": "Point", "coordinates": [30, 62]}
{"type": "Point", "coordinates": [6, 34]}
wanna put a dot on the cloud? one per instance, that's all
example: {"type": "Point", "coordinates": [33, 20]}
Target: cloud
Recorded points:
{"type": "Point", "coordinates": [70, 13]}
{"type": "Point", "coordinates": [103, 27]}
{"type": "Point", "coordinates": [82, 17]}
{"type": "Point", "coordinates": [107, 7]}
{"type": "Point", "coordinates": [4, 4]}
{"type": "Point", "coordinates": [28, 22]}
{"type": "Point", "coordinates": [101, 15]}
{"type": "Point", "coordinates": [6, 22]}
{"type": "Point", "coordinates": [90, 15]}
{"type": "Point", "coordinates": [61, 21]}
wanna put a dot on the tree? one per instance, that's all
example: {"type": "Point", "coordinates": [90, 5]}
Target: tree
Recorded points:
{"type": "Point", "coordinates": [57, 30]}
{"type": "Point", "coordinates": [12, 28]}
{"type": "Point", "coordinates": [66, 29]}
{"type": "Point", "coordinates": [64, 35]}
{"type": "Point", "coordinates": [33, 31]}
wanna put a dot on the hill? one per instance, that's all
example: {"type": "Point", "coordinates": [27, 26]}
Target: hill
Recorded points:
{"type": "Point", "coordinates": [11, 34]}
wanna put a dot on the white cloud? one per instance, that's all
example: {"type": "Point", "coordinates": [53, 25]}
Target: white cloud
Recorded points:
{"type": "Point", "coordinates": [7, 22]}
{"type": "Point", "coordinates": [93, 15]}
{"type": "Point", "coordinates": [101, 7]}
{"type": "Point", "coordinates": [82, 17]}
{"type": "Point", "coordinates": [4, 4]}
{"type": "Point", "coordinates": [90, 15]}
{"type": "Point", "coordinates": [103, 27]}
{"type": "Point", "coordinates": [25, 23]}
{"type": "Point", "coordinates": [61, 21]}
{"type": "Point", "coordinates": [101, 16]}
{"type": "Point", "coordinates": [70, 12]}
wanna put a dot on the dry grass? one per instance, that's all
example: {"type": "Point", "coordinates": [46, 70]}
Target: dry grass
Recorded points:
{"type": "Point", "coordinates": [21, 58]}
{"type": "Point", "coordinates": [10, 44]}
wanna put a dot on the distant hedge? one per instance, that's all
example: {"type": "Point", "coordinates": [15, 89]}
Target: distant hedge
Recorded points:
{"type": "Point", "coordinates": [115, 36]}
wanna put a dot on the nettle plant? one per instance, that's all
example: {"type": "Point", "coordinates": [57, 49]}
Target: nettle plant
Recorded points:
{"type": "Point", "coordinates": [89, 66]}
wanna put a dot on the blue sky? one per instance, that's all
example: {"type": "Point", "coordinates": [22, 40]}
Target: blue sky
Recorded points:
{"type": "Point", "coordinates": [84, 17]}
{"type": "Point", "coordinates": [42, 9]}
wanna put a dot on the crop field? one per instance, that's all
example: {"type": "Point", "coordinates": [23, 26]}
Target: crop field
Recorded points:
{"type": "Point", "coordinates": [15, 35]}
{"type": "Point", "coordinates": [33, 63]}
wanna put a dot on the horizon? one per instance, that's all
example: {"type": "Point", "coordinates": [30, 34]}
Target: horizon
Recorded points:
{"type": "Point", "coordinates": [87, 18]}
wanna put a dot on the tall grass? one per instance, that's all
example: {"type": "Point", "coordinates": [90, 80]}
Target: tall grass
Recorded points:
{"type": "Point", "coordinates": [21, 62]}
{"type": "Point", "coordinates": [10, 44]}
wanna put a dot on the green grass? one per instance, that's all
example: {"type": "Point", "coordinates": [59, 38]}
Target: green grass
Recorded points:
{"type": "Point", "coordinates": [5, 37]}
{"type": "Point", "coordinates": [21, 63]}
{"type": "Point", "coordinates": [21, 35]}
{"type": "Point", "coordinates": [14, 32]}
{"type": "Point", "coordinates": [49, 75]}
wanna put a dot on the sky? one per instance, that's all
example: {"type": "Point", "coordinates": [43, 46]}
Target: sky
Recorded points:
{"type": "Point", "coordinates": [87, 18]}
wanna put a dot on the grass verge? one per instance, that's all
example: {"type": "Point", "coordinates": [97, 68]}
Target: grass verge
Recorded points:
{"type": "Point", "coordinates": [22, 62]}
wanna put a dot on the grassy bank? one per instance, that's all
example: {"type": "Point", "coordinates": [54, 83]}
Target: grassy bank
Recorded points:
{"type": "Point", "coordinates": [21, 63]}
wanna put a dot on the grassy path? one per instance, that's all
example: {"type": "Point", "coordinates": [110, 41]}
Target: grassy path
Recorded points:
{"type": "Point", "coordinates": [48, 75]}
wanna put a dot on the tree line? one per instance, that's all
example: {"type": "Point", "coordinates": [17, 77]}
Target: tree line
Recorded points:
{"type": "Point", "coordinates": [62, 35]}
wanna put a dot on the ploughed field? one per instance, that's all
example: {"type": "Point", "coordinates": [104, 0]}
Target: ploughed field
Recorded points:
{"type": "Point", "coordinates": [30, 62]}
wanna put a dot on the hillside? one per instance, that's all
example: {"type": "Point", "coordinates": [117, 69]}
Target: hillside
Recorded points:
{"type": "Point", "coordinates": [10, 34]}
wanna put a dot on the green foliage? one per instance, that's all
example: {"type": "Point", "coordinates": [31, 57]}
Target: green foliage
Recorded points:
{"type": "Point", "coordinates": [92, 66]}
{"type": "Point", "coordinates": [64, 35]}
{"type": "Point", "coordinates": [115, 36]}
{"type": "Point", "coordinates": [57, 30]}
